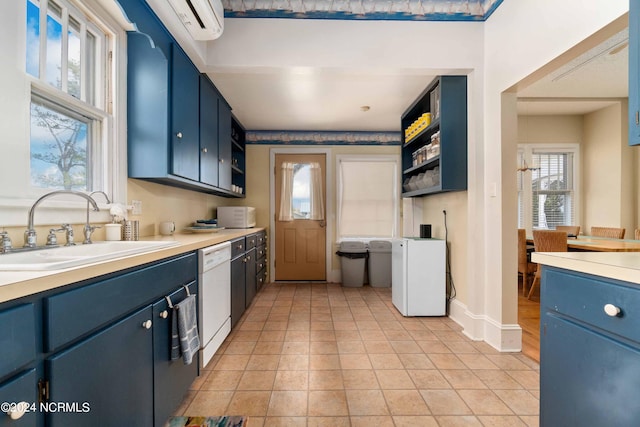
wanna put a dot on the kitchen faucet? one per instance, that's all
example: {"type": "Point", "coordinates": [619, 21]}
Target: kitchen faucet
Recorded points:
{"type": "Point", "coordinates": [88, 228]}
{"type": "Point", "coordinates": [30, 236]}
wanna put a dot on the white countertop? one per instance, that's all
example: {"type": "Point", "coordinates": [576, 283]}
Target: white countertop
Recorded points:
{"type": "Point", "coordinates": [17, 284]}
{"type": "Point", "coordinates": [615, 265]}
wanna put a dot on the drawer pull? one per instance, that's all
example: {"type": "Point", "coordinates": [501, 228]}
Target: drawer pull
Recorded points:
{"type": "Point", "coordinates": [17, 410]}
{"type": "Point", "coordinates": [612, 310]}
{"type": "Point", "coordinates": [147, 324]}
{"type": "Point", "coordinates": [164, 314]}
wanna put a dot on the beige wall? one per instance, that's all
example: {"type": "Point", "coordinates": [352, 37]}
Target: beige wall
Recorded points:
{"type": "Point", "coordinates": [608, 179]}
{"type": "Point", "coordinates": [608, 172]}
{"type": "Point", "coordinates": [165, 203]}
{"type": "Point", "coordinates": [258, 183]}
{"type": "Point", "coordinates": [456, 206]}
{"type": "Point", "coordinates": [565, 129]}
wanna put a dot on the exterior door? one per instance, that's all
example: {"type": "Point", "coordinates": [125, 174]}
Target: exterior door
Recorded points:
{"type": "Point", "coordinates": [300, 239]}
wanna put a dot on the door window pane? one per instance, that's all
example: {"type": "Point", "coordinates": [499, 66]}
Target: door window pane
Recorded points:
{"type": "Point", "coordinates": [301, 200]}
{"type": "Point", "coordinates": [59, 147]}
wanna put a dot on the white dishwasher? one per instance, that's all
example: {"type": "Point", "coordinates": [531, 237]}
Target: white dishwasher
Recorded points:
{"type": "Point", "coordinates": [215, 298]}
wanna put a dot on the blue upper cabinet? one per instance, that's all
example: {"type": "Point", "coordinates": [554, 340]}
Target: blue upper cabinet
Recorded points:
{"type": "Point", "coordinates": [224, 149]}
{"type": "Point", "coordinates": [179, 125]}
{"type": "Point", "coordinates": [185, 135]}
{"type": "Point", "coordinates": [209, 101]}
{"type": "Point", "coordinates": [634, 72]}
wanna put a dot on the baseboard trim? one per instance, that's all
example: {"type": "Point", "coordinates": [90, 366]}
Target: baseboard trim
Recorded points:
{"type": "Point", "coordinates": [503, 337]}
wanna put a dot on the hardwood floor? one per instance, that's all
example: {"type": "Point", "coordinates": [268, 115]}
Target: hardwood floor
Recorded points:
{"type": "Point", "coordinates": [529, 321]}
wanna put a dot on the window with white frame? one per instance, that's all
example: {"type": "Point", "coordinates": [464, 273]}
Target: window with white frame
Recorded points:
{"type": "Point", "coordinates": [368, 196]}
{"type": "Point", "coordinates": [68, 56]}
{"type": "Point", "coordinates": [547, 186]}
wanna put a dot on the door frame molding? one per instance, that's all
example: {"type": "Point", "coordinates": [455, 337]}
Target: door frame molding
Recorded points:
{"type": "Point", "coordinates": [330, 214]}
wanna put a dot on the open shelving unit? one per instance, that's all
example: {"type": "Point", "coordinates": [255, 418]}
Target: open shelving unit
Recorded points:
{"type": "Point", "coordinates": [238, 156]}
{"type": "Point", "coordinates": [445, 100]}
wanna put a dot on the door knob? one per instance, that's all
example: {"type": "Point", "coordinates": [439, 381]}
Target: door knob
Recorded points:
{"type": "Point", "coordinates": [204, 150]}
{"type": "Point", "coordinates": [323, 223]}
{"type": "Point", "coordinates": [147, 324]}
{"type": "Point", "coordinates": [179, 135]}
{"type": "Point", "coordinates": [164, 314]}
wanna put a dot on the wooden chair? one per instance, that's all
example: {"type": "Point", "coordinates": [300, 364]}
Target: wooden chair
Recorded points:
{"type": "Point", "coordinates": [547, 241]}
{"type": "Point", "coordinates": [569, 229]}
{"type": "Point", "coordinates": [637, 234]}
{"type": "Point", "coordinates": [525, 268]}
{"type": "Point", "coordinates": [611, 232]}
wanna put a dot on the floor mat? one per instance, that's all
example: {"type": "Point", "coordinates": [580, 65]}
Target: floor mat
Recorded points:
{"type": "Point", "coordinates": [224, 421]}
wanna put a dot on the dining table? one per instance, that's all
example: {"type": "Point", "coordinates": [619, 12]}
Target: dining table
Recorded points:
{"type": "Point", "coordinates": [599, 244]}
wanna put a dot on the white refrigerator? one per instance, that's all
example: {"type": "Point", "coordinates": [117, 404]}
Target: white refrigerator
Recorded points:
{"type": "Point", "coordinates": [418, 276]}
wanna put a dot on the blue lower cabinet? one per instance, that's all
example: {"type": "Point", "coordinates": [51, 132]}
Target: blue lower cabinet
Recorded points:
{"type": "Point", "coordinates": [250, 277]}
{"type": "Point", "coordinates": [21, 394]}
{"type": "Point", "coordinates": [108, 377]}
{"type": "Point", "coordinates": [238, 289]}
{"type": "Point", "coordinates": [171, 378]}
{"type": "Point", "coordinates": [17, 338]}
{"type": "Point", "coordinates": [589, 358]}
{"type": "Point", "coordinates": [588, 379]}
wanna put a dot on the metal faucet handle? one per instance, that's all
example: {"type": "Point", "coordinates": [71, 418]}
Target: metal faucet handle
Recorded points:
{"type": "Point", "coordinates": [52, 239]}
{"type": "Point", "coordinates": [6, 242]}
{"type": "Point", "coordinates": [88, 231]}
{"type": "Point", "coordinates": [69, 234]}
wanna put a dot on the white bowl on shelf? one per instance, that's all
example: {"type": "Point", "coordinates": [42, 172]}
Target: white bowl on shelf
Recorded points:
{"type": "Point", "coordinates": [413, 183]}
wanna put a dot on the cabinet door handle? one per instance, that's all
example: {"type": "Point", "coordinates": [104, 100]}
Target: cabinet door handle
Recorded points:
{"type": "Point", "coordinates": [147, 324]}
{"type": "Point", "coordinates": [164, 314]}
{"type": "Point", "coordinates": [221, 160]}
{"type": "Point", "coordinates": [249, 258]}
{"type": "Point", "coordinates": [179, 135]}
{"type": "Point", "coordinates": [17, 410]}
{"type": "Point", "coordinates": [204, 150]}
{"type": "Point", "coordinates": [612, 310]}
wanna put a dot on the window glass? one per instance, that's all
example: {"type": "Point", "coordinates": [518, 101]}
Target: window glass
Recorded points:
{"type": "Point", "coordinates": [33, 39]}
{"type": "Point", "coordinates": [54, 46]}
{"type": "Point", "coordinates": [64, 153]}
{"type": "Point", "coordinates": [59, 148]}
{"type": "Point", "coordinates": [73, 60]}
{"type": "Point", "coordinates": [301, 200]}
{"type": "Point", "coordinates": [547, 194]}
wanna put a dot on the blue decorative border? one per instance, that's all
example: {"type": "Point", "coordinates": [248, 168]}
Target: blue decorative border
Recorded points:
{"type": "Point", "coordinates": [322, 138]}
{"type": "Point", "coordinates": [373, 16]}
{"type": "Point", "coordinates": [280, 9]}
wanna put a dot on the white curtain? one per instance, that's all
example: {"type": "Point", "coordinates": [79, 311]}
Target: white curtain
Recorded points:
{"type": "Point", "coordinates": [317, 202]}
{"type": "Point", "coordinates": [286, 192]}
{"type": "Point", "coordinates": [314, 190]}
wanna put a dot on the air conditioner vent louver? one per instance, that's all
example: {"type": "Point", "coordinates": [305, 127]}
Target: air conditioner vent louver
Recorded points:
{"type": "Point", "coordinates": [204, 19]}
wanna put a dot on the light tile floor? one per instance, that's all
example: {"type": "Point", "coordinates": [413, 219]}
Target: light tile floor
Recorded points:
{"type": "Point", "coordinates": [324, 355]}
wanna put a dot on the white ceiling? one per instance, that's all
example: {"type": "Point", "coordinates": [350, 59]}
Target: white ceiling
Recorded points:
{"type": "Point", "coordinates": [317, 97]}
{"type": "Point", "coordinates": [594, 80]}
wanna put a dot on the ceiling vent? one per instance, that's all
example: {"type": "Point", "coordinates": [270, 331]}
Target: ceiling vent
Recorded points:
{"type": "Point", "coordinates": [204, 19]}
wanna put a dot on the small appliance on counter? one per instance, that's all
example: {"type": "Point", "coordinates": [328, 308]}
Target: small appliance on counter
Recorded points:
{"type": "Point", "coordinates": [236, 216]}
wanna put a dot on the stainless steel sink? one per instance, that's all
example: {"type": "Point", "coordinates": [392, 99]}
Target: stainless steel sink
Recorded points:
{"type": "Point", "coordinates": [72, 256]}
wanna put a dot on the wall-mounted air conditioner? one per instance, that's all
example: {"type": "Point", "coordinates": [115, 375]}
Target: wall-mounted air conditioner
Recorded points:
{"type": "Point", "coordinates": [204, 19]}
